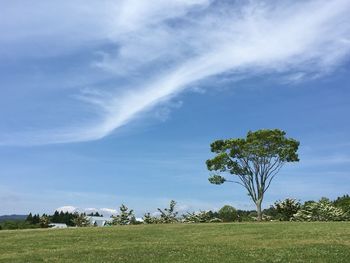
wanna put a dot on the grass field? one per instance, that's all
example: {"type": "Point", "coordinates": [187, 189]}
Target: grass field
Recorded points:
{"type": "Point", "coordinates": [236, 242]}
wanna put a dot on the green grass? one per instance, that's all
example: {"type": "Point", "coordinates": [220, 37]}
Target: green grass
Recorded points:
{"type": "Point", "coordinates": [236, 242]}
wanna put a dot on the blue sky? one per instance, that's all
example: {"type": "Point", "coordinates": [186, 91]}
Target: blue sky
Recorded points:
{"type": "Point", "coordinates": [110, 102]}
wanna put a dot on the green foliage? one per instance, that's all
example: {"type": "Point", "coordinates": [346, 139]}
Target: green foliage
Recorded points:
{"type": "Point", "coordinates": [271, 213]}
{"type": "Point", "coordinates": [169, 215]}
{"type": "Point", "coordinates": [228, 213]}
{"type": "Point", "coordinates": [95, 214]}
{"type": "Point", "coordinates": [44, 221]}
{"type": "Point", "coordinates": [36, 219]}
{"type": "Point", "coordinates": [200, 217]}
{"type": "Point", "coordinates": [246, 215]}
{"type": "Point", "coordinates": [29, 218]}
{"type": "Point", "coordinates": [254, 160]}
{"type": "Point", "coordinates": [33, 220]}
{"type": "Point", "coordinates": [16, 224]}
{"type": "Point", "coordinates": [63, 218]}
{"type": "Point", "coordinates": [343, 202]}
{"type": "Point", "coordinates": [217, 179]}
{"type": "Point", "coordinates": [262, 145]}
{"type": "Point", "coordinates": [322, 210]}
{"type": "Point", "coordinates": [287, 208]}
{"type": "Point", "coordinates": [80, 220]}
{"type": "Point", "coordinates": [134, 221]}
{"type": "Point", "coordinates": [124, 217]}
{"type": "Point", "coordinates": [212, 214]}
{"type": "Point", "coordinates": [149, 219]}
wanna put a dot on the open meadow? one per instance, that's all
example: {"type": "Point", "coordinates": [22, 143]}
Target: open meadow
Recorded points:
{"type": "Point", "coordinates": [230, 242]}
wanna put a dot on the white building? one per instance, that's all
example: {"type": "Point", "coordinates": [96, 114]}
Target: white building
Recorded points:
{"type": "Point", "coordinates": [99, 220]}
{"type": "Point", "coordinates": [57, 225]}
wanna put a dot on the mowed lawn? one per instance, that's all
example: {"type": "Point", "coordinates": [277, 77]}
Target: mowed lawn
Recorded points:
{"type": "Point", "coordinates": [234, 242]}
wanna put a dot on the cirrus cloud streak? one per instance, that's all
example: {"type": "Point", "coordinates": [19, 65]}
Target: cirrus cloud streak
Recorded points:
{"type": "Point", "coordinates": [164, 49]}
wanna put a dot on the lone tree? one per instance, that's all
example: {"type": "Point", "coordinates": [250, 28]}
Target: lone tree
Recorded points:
{"type": "Point", "coordinates": [169, 215]}
{"type": "Point", "coordinates": [124, 217]}
{"type": "Point", "coordinates": [254, 160]}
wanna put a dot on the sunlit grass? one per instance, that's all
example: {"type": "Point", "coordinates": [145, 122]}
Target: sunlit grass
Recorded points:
{"type": "Point", "coordinates": [236, 242]}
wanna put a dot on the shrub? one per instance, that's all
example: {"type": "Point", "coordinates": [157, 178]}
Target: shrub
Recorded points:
{"type": "Point", "coordinates": [44, 221]}
{"type": "Point", "coordinates": [149, 219]}
{"type": "Point", "coordinates": [343, 203]}
{"type": "Point", "coordinates": [322, 210]}
{"type": "Point", "coordinates": [228, 213]}
{"type": "Point", "coordinates": [134, 221]}
{"type": "Point", "coordinates": [16, 224]}
{"type": "Point", "coordinates": [200, 217]}
{"type": "Point", "coordinates": [271, 213]}
{"type": "Point", "coordinates": [246, 215]}
{"type": "Point", "coordinates": [287, 208]}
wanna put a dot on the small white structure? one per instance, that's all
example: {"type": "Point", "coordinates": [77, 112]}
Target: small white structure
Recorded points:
{"type": "Point", "coordinates": [99, 220]}
{"type": "Point", "coordinates": [139, 219]}
{"type": "Point", "coordinates": [57, 225]}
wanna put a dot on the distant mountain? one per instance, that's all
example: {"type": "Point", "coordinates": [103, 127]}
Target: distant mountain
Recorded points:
{"type": "Point", "coordinates": [12, 217]}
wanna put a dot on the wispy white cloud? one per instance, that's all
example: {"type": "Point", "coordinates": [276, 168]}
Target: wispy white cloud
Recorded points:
{"type": "Point", "coordinates": [164, 48]}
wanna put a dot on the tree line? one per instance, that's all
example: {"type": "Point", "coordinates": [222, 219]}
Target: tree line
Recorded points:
{"type": "Point", "coordinates": [283, 210]}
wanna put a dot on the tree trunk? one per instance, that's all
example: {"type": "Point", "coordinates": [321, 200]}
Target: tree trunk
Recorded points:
{"type": "Point", "coordinates": [258, 209]}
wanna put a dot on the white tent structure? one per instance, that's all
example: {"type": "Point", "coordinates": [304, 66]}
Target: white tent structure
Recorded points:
{"type": "Point", "coordinates": [57, 225]}
{"type": "Point", "coordinates": [99, 220]}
